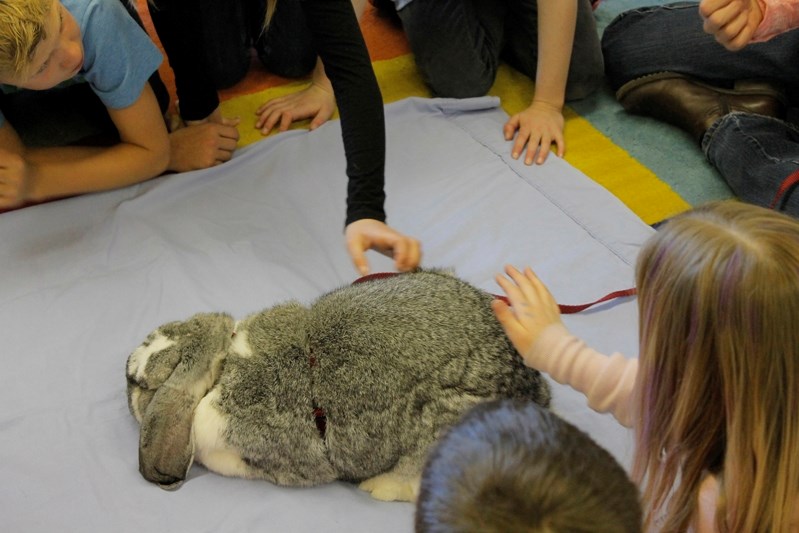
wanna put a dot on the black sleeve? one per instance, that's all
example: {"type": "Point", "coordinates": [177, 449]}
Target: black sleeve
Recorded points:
{"type": "Point", "coordinates": [339, 43]}
{"type": "Point", "coordinates": [179, 24]}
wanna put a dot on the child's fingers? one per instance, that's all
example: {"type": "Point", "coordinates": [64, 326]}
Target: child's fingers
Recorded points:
{"type": "Point", "coordinates": [510, 127]}
{"type": "Point", "coordinates": [358, 256]}
{"type": "Point", "coordinates": [511, 290]}
{"type": "Point", "coordinates": [514, 329]}
{"type": "Point", "coordinates": [541, 290]}
{"type": "Point", "coordinates": [409, 254]}
{"type": "Point", "coordinates": [505, 316]}
{"type": "Point", "coordinates": [529, 287]}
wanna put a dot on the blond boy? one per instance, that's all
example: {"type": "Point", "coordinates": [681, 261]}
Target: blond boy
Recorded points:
{"type": "Point", "coordinates": [87, 60]}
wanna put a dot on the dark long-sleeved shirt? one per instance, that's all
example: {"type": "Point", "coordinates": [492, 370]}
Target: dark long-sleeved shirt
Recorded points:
{"type": "Point", "coordinates": [341, 47]}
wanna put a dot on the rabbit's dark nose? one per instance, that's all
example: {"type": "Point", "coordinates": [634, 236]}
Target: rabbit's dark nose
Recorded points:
{"type": "Point", "coordinates": [170, 484]}
{"type": "Point", "coordinates": [169, 475]}
{"type": "Point", "coordinates": [164, 480]}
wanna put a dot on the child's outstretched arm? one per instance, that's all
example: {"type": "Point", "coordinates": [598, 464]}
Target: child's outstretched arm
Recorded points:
{"type": "Point", "coordinates": [534, 326]}
{"type": "Point", "coordinates": [141, 154]}
{"type": "Point", "coordinates": [534, 309]}
{"type": "Point", "coordinates": [342, 49]}
{"type": "Point", "coordinates": [541, 124]}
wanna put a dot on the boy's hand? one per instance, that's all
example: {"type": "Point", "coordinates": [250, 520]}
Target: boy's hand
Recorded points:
{"type": "Point", "coordinates": [202, 145]}
{"type": "Point", "coordinates": [14, 179]}
{"type": "Point", "coordinates": [538, 126]}
{"type": "Point", "coordinates": [315, 102]}
{"type": "Point", "coordinates": [533, 309]}
{"type": "Point", "coordinates": [367, 233]}
{"type": "Point", "coordinates": [731, 22]}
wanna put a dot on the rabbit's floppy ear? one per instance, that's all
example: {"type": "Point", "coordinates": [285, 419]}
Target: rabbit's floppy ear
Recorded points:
{"type": "Point", "coordinates": [197, 349]}
{"type": "Point", "coordinates": [150, 365]}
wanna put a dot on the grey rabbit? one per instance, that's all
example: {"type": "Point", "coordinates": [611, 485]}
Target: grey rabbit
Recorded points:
{"type": "Point", "coordinates": [355, 387]}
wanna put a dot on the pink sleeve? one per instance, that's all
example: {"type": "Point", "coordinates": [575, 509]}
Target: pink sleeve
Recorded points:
{"type": "Point", "coordinates": [779, 16]}
{"type": "Point", "coordinates": [606, 381]}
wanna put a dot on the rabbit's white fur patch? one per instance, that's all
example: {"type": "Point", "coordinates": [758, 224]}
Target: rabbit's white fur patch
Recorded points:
{"type": "Point", "coordinates": [134, 404]}
{"type": "Point", "coordinates": [137, 362]}
{"type": "Point", "coordinates": [210, 447]}
{"type": "Point", "coordinates": [240, 344]}
{"type": "Point", "coordinates": [390, 487]}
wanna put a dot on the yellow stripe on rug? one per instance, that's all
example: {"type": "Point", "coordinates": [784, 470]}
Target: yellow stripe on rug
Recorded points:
{"type": "Point", "coordinates": [596, 156]}
{"type": "Point", "coordinates": [587, 149]}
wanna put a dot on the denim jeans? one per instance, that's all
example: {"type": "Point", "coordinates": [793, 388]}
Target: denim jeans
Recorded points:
{"type": "Point", "coordinates": [670, 38]}
{"type": "Point", "coordinates": [753, 153]}
{"type": "Point", "coordinates": [458, 44]}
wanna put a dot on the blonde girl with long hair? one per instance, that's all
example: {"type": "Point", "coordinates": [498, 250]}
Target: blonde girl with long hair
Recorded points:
{"type": "Point", "coordinates": [713, 397]}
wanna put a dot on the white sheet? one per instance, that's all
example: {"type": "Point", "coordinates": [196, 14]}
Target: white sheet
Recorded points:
{"type": "Point", "coordinates": [85, 279]}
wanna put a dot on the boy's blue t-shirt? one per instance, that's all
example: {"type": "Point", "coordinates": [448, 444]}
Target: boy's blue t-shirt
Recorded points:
{"type": "Point", "coordinates": [119, 56]}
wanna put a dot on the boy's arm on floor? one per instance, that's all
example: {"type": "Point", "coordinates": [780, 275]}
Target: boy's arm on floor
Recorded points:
{"type": "Point", "coordinates": [142, 153]}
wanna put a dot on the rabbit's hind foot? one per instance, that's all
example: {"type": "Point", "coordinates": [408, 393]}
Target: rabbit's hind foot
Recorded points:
{"type": "Point", "coordinates": [391, 487]}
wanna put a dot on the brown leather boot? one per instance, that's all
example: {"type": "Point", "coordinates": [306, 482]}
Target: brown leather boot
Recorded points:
{"type": "Point", "coordinates": [694, 106]}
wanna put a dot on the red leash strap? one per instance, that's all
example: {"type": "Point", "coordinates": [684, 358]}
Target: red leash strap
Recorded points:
{"type": "Point", "coordinates": [374, 276]}
{"type": "Point", "coordinates": [786, 184]}
{"type": "Point", "coordinates": [568, 309]}
{"type": "Point", "coordinates": [564, 308]}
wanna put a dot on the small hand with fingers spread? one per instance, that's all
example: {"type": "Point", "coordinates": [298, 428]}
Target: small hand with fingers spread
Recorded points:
{"type": "Point", "coordinates": [537, 127]}
{"type": "Point", "coordinates": [532, 309]}
{"type": "Point", "coordinates": [315, 102]}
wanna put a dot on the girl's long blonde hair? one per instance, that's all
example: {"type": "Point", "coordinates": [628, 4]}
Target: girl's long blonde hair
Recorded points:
{"type": "Point", "coordinates": [718, 384]}
{"type": "Point", "coordinates": [22, 28]}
